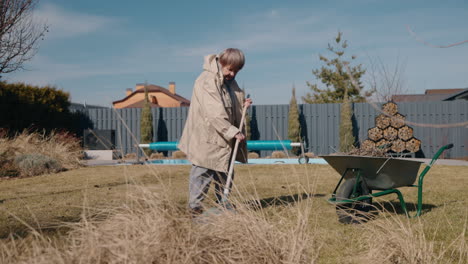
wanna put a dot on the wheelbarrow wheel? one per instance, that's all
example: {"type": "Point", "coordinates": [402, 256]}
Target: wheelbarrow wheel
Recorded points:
{"type": "Point", "coordinates": [303, 159]}
{"type": "Point", "coordinates": [352, 213]}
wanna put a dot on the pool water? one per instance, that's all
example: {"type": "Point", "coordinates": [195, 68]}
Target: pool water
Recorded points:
{"type": "Point", "coordinates": [251, 161]}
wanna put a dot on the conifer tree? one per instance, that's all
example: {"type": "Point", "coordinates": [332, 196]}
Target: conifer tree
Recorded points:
{"type": "Point", "coordinates": [294, 126]}
{"type": "Point", "coordinates": [346, 125]}
{"type": "Point", "coordinates": [146, 123]}
{"type": "Point", "coordinates": [336, 78]}
{"type": "Point", "coordinates": [247, 120]}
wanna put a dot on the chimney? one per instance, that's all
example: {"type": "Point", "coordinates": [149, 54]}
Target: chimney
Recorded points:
{"type": "Point", "coordinates": [139, 86]}
{"type": "Point", "coordinates": [128, 92]}
{"type": "Point", "coordinates": [172, 87]}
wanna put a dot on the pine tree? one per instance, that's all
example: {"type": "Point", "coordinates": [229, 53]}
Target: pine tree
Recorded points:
{"type": "Point", "coordinates": [346, 125]}
{"type": "Point", "coordinates": [294, 126]}
{"type": "Point", "coordinates": [146, 123]}
{"type": "Point", "coordinates": [336, 78]}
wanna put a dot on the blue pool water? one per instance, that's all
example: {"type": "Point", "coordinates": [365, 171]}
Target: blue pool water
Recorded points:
{"type": "Point", "coordinates": [251, 161]}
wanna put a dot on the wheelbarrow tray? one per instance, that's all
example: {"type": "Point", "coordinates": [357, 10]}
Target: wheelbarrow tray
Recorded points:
{"type": "Point", "coordinates": [379, 173]}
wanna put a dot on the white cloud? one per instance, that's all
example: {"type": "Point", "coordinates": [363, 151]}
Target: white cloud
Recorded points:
{"type": "Point", "coordinates": [64, 24]}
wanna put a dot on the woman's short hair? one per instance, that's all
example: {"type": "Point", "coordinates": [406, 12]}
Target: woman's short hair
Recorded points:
{"type": "Point", "coordinates": [232, 57]}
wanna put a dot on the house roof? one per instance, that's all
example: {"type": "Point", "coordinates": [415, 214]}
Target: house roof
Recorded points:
{"type": "Point", "coordinates": [431, 95]}
{"type": "Point", "coordinates": [418, 97]}
{"type": "Point", "coordinates": [463, 94]}
{"type": "Point", "coordinates": [442, 91]}
{"type": "Point", "coordinates": [155, 88]}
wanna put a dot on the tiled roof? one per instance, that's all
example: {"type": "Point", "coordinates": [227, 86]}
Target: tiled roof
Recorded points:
{"type": "Point", "coordinates": [156, 88]}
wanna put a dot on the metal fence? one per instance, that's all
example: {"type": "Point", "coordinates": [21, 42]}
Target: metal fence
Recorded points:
{"type": "Point", "coordinates": [319, 122]}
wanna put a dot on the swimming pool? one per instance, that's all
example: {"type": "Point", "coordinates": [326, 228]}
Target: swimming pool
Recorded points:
{"type": "Point", "coordinates": [251, 161]}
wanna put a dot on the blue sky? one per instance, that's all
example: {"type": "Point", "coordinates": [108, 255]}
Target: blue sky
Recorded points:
{"type": "Point", "coordinates": [96, 49]}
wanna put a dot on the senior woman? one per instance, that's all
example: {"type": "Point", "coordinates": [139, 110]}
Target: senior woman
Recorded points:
{"type": "Point", "coordinates": [212, 125]}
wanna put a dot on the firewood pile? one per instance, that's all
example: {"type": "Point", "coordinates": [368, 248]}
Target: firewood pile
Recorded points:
{"type": "Point", "coordinates": [390, 134]}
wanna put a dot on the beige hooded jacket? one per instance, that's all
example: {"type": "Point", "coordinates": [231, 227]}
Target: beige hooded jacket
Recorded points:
{"type": "Point", "coordinates": [212, 122]}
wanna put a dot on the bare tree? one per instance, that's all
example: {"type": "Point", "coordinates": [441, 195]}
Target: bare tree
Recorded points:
{"type": "Point", "coordinates": [19, 34]}
{"type": "Point", "coordinates": [432, 45]}
{"type": "Point", "coordinates": [385, 80]}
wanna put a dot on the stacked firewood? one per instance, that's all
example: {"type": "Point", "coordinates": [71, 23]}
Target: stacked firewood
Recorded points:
{"type": "Point", "coordinates": [390, 133]}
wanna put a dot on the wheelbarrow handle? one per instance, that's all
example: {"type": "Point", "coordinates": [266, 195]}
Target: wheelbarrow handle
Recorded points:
{"type": "Point", "coordinates": [439, 152]}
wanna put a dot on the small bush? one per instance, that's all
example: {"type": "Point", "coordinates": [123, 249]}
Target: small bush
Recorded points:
{"type": "Point", "coordinates": [60, 146]}
{"type": "Point", "coordinates": [157, 155]}
{"type": "Point", "coordinates": [178, 155]}
{"type": "Point", "coordinates": [36, 164]}
{"type": "Point", "coordinates": [7, 165]}
{"type": "Point", "coordinates": [278, 155]}
{"type": "Point", "coordinates": [253, 155]}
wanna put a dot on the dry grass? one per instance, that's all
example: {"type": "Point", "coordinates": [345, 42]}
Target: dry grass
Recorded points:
{"type": "Point", "coordinates": [157, 155]}
{"type": "Point", "coordinates": [394, 240]}
{"type": "Point", "coordinates": [278, 155]}
{"type": "Point", "coordinates": [63, 148]}
{"type": "Point", "coordinates": [179, 155]}
{"type": "Point", "coordinates": [253, 155]}
{"type": "Point", "coordinates": [282, 217]}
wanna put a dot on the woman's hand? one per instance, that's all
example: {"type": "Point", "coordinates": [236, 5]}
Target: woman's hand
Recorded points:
{"type": "Point", "coordinates": [248, 102]}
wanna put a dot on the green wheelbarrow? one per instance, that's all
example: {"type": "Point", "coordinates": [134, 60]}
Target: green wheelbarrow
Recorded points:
{"type": "Point", "coordinates": [363, 178]}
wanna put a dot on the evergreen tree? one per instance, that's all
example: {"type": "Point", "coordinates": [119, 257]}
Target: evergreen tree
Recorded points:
{"type": "Point", "coordinates": [346, 125]}
{"type": "Point", "coordinates": [247, 120]}
{"type": "Point", "coordinates": [336, 78]}
{"type": "Point", "coordinates": [248, 134]}
{"type": "Point", "coordinates": [294, 126]}
{"type": "Point", "coordinates": [146, 123]}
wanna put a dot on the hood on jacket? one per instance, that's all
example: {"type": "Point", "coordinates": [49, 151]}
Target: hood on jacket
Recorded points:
{"type": "Point", "coordinates": [211, 64]}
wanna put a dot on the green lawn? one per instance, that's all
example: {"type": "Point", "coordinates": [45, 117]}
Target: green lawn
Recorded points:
{"type": "Point", "coordinates": [46, 202]}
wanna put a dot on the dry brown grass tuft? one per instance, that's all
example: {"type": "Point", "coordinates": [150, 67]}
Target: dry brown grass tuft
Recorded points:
{"type": "Point", "coordinates": [130, 156]}
{"type": "Point", "coordinates": [253, 155]}
{"type": "Point", "coordinates": [157, 155]}
{"type": "Point", "coordinates": [391, 239]}
{"type": "Point", "coordinates": [178, 155]}
{"type": "Point", "coordinates": [278, 155]}
{"type": "Point", "coordinates": [64, 148]}
{"type": "Point", "coordinates": [151, 229]}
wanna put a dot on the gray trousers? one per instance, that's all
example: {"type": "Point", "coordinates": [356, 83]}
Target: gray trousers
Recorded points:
{"type": "Point", "coordinates": [200, 179]}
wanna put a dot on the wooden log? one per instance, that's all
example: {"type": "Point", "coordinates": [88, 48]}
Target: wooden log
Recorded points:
{"type": "Point", "coordinates": [398, 146]}
{"type": "Point", "coordinates": [383, 144]}
{"type": "Point", "coordinates": [390, 133]}
{"type": "Point", "coordinates": [368, 145]}
{"type": "Point", "coordinates": [397, 120]}
{"type": "Point", "coordinates": [405, 133]}
{"type": "Point", "coordinates": [382, 121]}
{"type": "Point", "coordinates": [390, 108]}
{"type": "Point", "coordinates": [413, 145]}
{"type": "Point", "coordinates": [375, 133]}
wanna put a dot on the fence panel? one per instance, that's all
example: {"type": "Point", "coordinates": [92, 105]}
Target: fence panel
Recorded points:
{"type": "Point", "coordinates": [319, 123]}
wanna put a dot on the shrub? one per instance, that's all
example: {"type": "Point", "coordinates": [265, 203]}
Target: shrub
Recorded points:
{"type": "Point", "coordinates": [7, 166]}
{"type": "Point", "coordinates": [36, 164]}
{"type": "Point", "coordinates": [62, 147]}
{"type": "Point", "coordinates": [178, 155]}
{"type": "Point", "coordinates": [146, 124]}
{"type": "Point", "coordinates": [294, 126]}
{"type": "Point", "coordinates": [253, 155]}
{"type": "Point", "coordinates": [278, 155]}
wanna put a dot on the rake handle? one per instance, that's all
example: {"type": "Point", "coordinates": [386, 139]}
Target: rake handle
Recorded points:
{"type": "Point", "coordinates": [233, 158]}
